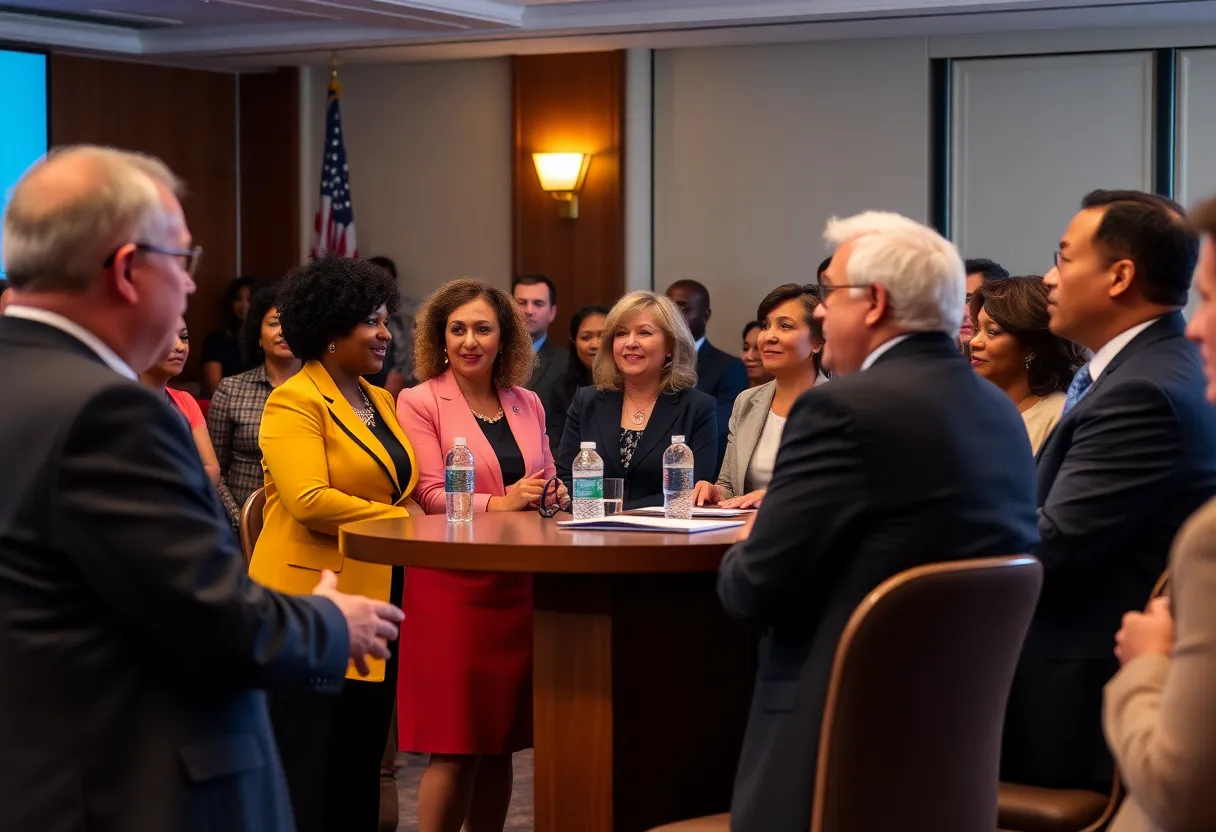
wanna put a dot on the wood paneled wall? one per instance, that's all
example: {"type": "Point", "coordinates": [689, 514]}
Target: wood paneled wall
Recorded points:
{"type": "Point", "coordinates": [270, 171]}
{"type": "Point", "coordinates": [188, 118]}
{"type": "Point", "coordinates": [570, 103]}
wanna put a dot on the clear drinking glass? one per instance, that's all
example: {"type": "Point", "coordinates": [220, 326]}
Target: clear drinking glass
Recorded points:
{"type": "Point", "coordinates": [614, 495]}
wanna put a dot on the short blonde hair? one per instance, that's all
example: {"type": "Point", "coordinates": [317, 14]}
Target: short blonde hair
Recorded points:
{"type": "Point", "coordinates": [515, 360]}
{"type": "Point", "coordinates": [60, 227]}
{"type": "Point", "coordinates": [680, 373]}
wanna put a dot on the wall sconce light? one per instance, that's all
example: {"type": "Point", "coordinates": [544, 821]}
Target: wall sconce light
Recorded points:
{"type": "Point", "coordinates": [562, 175]}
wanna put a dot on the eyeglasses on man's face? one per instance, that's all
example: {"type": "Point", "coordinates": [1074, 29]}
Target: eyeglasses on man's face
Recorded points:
{"type": "Point", "coordinates": [826, 289]}
{"type": "Point", "coordinates": [189, 257]}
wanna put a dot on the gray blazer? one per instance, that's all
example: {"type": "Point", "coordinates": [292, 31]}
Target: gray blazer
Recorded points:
{"type": "Point", "coordinates": [747, 419]}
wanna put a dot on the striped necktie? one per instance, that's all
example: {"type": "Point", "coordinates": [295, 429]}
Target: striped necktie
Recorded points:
{"type": "Point", "coordinates": [1077, 390]}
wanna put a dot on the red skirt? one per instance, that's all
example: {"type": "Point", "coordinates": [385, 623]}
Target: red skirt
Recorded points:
{"type": "Point", "coordinates": [465, 674]}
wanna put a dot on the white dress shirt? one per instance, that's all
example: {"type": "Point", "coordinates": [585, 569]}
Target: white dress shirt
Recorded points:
{"type": "Point", "coordinates": [699, 343]}
{"type": "Point", "coordinates": [883, 347]}
{"type": "Point", "coordinates": [54, 319]}
{"type": "Point", "coordinates": [1114, 346]}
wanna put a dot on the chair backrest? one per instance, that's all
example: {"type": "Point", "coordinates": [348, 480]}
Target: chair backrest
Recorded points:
{"type": "Point", "coordinates": [911, 733]}
{"type": "Point", "coordinates": [251, 522]}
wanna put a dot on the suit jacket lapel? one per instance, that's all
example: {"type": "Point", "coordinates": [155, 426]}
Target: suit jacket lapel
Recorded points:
{"type": "Point", "coordinates": [608, 426]}
{"type": "Point", "coordinates": [658, 429]}
{"type": "Point", "coordinates": [461, 422]}
{"type": "Point", "coordinates": [751, 423]}
{"type": "Point", "coordinates": [349, 422]}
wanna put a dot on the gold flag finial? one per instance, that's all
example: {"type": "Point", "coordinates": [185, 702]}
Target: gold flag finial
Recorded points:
{"type": "Point", "coordinates": [334, 63]}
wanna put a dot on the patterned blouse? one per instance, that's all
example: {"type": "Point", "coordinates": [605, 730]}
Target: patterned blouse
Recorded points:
{"type": "Point", "coordinates": [233, 421]}
{"type": "Point", "coordinates": [629, 444]}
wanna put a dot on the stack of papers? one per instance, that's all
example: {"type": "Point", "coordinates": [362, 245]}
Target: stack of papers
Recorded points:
{"type": "Point", "coordinates": [698, 511]}
{"type": "Point", "coordinates": [634, 523]}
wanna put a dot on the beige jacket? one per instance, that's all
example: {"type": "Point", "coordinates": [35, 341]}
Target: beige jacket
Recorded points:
{"type": "Point", "coordinates": [1160, 712]}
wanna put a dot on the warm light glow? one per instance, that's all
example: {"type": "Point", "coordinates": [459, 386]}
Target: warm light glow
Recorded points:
{"type": "Point", "coordinates": [561, 172]}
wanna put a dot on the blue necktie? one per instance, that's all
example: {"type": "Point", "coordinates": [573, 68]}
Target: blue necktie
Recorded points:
{"type": "Point", "coordinates": [1076, 391]}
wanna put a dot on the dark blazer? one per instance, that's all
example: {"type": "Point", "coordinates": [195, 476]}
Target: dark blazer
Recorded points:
{"type": "Point", "coordinates": [724, 377]}
{"type": "Point", "coordinates": [551, 362]}
{"type": "Point", "coordinates": [1117, 478]}
{"type": "Point", "coordinates": [595, 416]}
{"type": "Point", "coordinates": [912, 461]}
{"type": "Point", "coordinates": [132, 643]}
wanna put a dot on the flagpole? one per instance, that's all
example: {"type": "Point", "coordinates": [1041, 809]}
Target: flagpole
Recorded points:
{"type": "Point", "coordinates": [334, 63]}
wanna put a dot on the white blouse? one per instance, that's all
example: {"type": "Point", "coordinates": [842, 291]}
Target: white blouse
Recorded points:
{"type": "Point", "coordinates": [764, 457]}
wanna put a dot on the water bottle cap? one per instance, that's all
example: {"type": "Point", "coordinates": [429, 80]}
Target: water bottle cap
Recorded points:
{"type": "Point", "coordinates": [675, 439]}
{"type": "Point", "coordinates": [587, 446]}
{"type": "Point", "coordinates": [460, 440]}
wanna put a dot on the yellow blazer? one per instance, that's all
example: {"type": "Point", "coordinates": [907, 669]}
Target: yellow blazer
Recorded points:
{"type": "Point", "coordinates": [324, 468]}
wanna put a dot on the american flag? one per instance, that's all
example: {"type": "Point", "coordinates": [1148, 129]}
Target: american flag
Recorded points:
{"type": "Point", "coordinates": [334, 226]}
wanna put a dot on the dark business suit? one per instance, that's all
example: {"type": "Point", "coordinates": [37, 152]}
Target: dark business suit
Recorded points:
{"type": "Point", "coordinates": [132, 643]}
{"type": "Point", "coordinates": [595, 416]}
{"type": "Point", "coordinates": [1116, 480]}
{"type": "Point", "coordinates": [551, 362]}
{"type": "Point", "coordinates": [914, 460]}
{"type": "Point", "coordinates": [724, 377]}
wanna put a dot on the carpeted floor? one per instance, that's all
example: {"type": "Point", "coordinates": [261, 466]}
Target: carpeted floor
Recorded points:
{"type": "Point", "coordinates": [409, 772]}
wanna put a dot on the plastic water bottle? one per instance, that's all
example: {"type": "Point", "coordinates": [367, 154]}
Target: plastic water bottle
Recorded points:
{"type": "Point", "coordinates": [458, 482]}
{"type": "Point", "coordinates": [588, 475]}
{"type": "Point", "coordinates": [677, 480]}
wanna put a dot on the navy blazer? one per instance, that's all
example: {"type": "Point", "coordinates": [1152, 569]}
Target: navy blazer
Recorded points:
{"type": "Point", "coordinates": [912, 461]}
{"type": "Point", "coordinates": [724, 377]}
{"type": "Point", "coordinates": [595, 416]}
{"type": "Point", "coordinates": [1117, 478]}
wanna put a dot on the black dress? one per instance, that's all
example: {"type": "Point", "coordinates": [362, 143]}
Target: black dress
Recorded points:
{"type": "Point", "coordinates": [510, 459]}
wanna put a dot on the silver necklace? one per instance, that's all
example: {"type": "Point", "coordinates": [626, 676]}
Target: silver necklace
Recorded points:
{"type": "Point", "coordinates": [367, 415]}
{"type": "Point", "coordinates": [639, 415]}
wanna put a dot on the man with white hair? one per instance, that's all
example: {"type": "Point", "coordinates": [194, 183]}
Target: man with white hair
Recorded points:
{"type": "Point", "coordinates": [132, 642]}
{"type": "Point", "coordinates": [907, 458]}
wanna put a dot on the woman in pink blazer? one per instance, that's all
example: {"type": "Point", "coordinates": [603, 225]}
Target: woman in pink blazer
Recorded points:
{"type": "Point", "coordinates": [465, 684]}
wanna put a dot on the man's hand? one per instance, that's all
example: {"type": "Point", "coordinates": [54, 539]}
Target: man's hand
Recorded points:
{"type": "Point", "coordinates": [372, 624]}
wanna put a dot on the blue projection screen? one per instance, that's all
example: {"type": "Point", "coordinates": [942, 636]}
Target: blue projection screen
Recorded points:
{"type": "Point", "coordinates": [23, 137]}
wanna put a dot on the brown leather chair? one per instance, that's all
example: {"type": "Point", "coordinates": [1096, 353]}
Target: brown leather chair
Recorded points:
{"type": "Point", "coordinates": [1039, 809]}
{"type": "Point", "coordinates": [251, 522]}
{"type": "Point", "coordinates": [912, 722]}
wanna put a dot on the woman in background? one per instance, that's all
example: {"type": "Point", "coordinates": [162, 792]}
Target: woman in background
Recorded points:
{"type": "Point", "coordinates": [222, 356]}
{"type": "Point", "coordinates": [790, 342]}
{"type": "Point", "coordinates": [586, 328]}
{"type": "Point", "coordinates": [465, 693]}
{"type": "Point", "coordinates": [235, 417]}
{"type": "Point", "coordinates": [158, 377]}
{"type": "Point", "coordinates": [756, 374]}
{"type": "Point", "coordinates": [645, 377]}
{"type": "Point", "coordinates": [1014, 349]}
{"type": "Point", "coordinates": [333, 454]}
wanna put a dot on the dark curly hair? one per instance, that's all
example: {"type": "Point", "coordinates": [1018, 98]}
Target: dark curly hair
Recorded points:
{"type": "Point", "coordinates": [327, 298]}
{"type": "Point", "coordinates": [263, 298]}
{"type": "Point", "coordinates": [1018, 305]}
{"type": "Point", "coordinates": [515, 360]}
{"type": "Point", "coordinates": [809, 295]}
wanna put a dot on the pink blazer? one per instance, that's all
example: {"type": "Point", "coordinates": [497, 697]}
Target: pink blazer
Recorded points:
{"type": "Point", "coordinates": [435, 412]}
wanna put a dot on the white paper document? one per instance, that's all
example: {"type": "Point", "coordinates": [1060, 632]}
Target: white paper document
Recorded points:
{"type": "Point", "coordinates": [633, 523]}
{"type": "Point", "coordinates": [698, 511]}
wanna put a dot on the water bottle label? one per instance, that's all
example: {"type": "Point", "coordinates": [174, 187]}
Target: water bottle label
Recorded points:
{"type": "Point", "coordinates": [588, 488]}
{"type": "Point", "coordinates": [677, 479]}
{"type": "Point", "coordinates": [456, 481]}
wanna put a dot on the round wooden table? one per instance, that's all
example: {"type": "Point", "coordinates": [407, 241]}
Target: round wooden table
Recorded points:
{"type": "Point", "coordinates": [641, 683]}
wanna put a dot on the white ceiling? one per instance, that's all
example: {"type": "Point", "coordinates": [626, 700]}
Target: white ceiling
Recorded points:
{"type": "Point", "coordinates": [252, 33]}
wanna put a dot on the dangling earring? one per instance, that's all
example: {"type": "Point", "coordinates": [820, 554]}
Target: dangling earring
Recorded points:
{"type": "Point", "coordinates": [445, 359]}
{"type": "Point", "coordinates": [1029, 361]}
{"type": "Point", "coordinates": [333, 347]}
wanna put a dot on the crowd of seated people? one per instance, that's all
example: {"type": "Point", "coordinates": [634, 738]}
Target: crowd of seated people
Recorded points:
{"type": "Point", "coordinates": [1067, 417]}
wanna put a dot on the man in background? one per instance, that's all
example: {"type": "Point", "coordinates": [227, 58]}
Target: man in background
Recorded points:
{"type": "Point", "coordinates": [906, 457]}
{"type": "Point", "coordinates": [719, 374]}
{"type": "Point", "coordinates": [134, 648]}
{"type": "Point", "coordinates": [978, 270]}
{"type": "Point", "coordinates": [536, 297]}
{"type": "Point", "coordinates": [1132, 457]}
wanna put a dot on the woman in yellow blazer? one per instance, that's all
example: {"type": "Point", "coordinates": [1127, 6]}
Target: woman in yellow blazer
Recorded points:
{"type": "Point", "coordinates": [333, 453]}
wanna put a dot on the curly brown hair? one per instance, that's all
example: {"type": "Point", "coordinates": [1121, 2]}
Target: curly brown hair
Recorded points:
{"type": "Point", "coordinates": [515, 360]}
{"type": "Point", "coordinates": [1018, 305]}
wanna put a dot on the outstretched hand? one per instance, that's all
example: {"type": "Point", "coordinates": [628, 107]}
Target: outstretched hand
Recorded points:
{"type": "Point", "coordinates": [371, 624]}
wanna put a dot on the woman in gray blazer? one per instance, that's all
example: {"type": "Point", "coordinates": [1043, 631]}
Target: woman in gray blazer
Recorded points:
{"type": "Point", "coordinates": [790, 342]}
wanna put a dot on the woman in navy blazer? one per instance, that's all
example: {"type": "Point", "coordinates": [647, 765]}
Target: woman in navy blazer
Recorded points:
{"type": "Point", "coordinates": [645, 377]}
